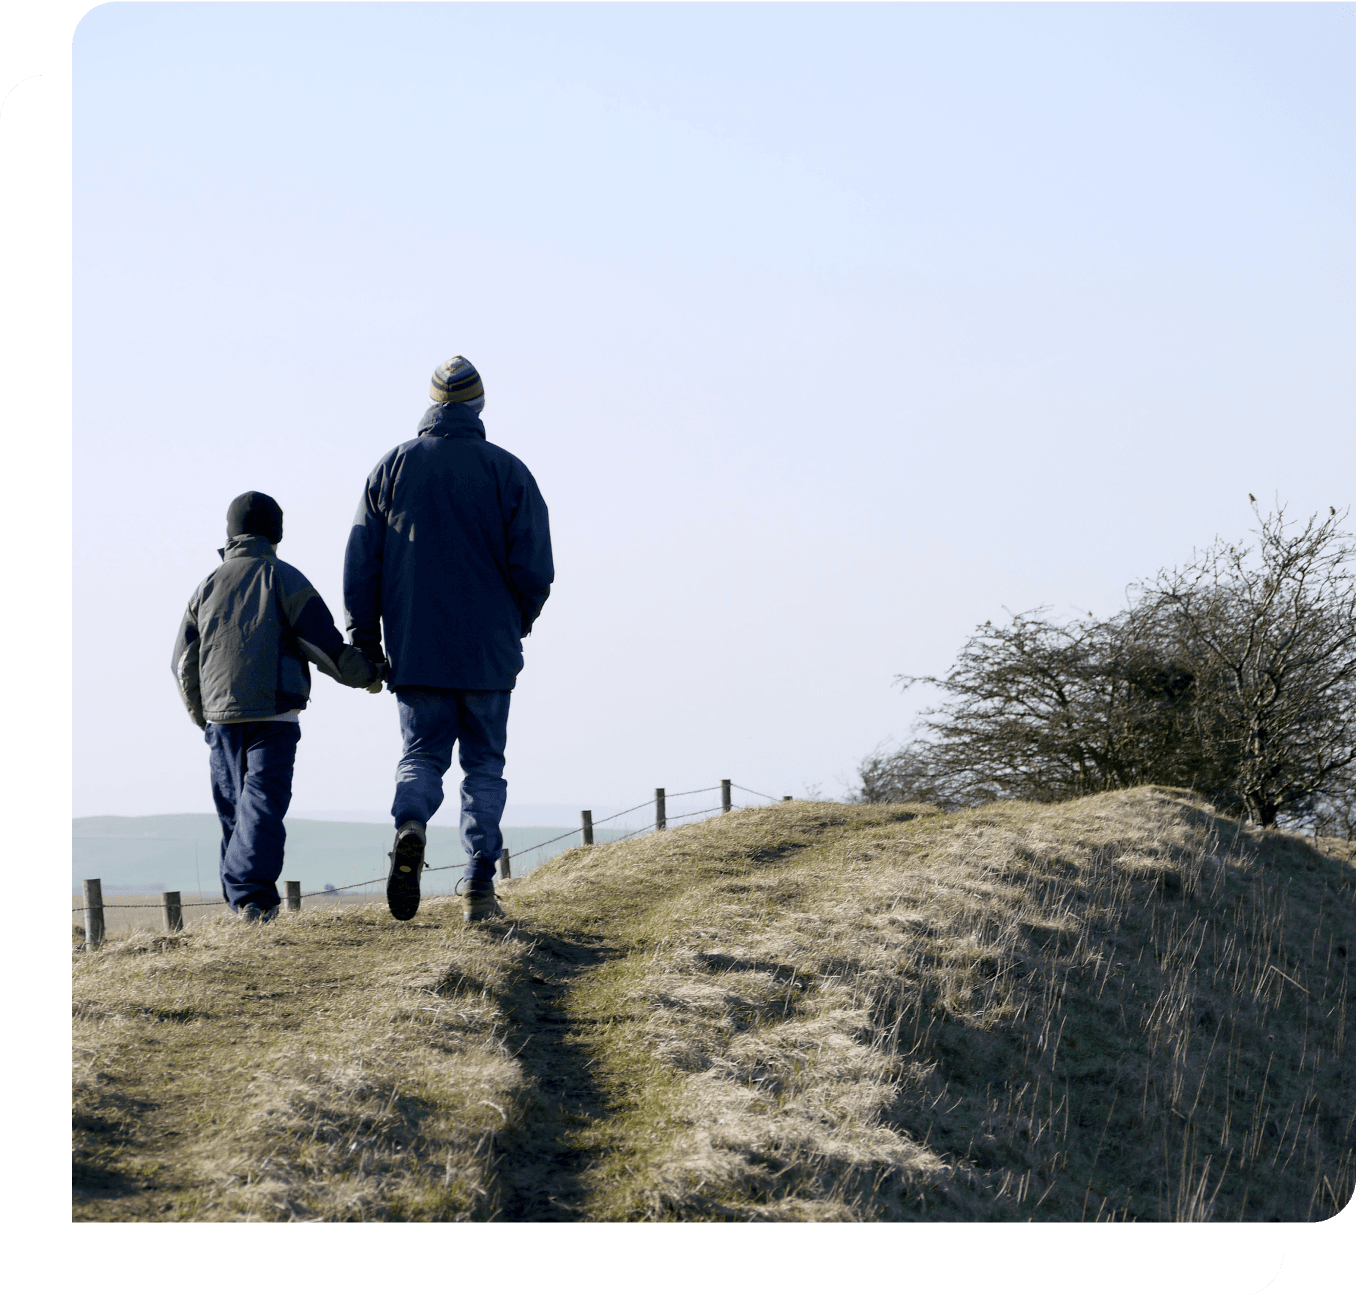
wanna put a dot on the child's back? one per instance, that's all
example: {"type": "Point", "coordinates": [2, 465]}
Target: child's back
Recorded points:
{"type": "Point", "coordinates": [250, 629]}
{"type": "Point", "coordinates": [241, 662]}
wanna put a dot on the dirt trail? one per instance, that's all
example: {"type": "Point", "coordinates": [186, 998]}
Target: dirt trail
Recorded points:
{"type": "Point", "coordinates": [544, 1155]}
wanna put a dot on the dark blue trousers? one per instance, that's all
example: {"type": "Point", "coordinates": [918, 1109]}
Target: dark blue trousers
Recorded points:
{"type": "Point", "coordinates": [432, 720]}
{"type": "Point", "coordinates": [252, 787]}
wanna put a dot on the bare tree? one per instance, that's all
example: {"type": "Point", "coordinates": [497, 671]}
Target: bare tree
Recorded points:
{"type": "Point", "coordinates": [1045, 711]}
{"type": "Point", "coordinates": [910, 774]}
{"type": "Point", "coordinates": [1273, 642]}
{"type": "Point", "coordinates": [1234, 675]}
{"type": "Point", "coordinates": [1334, 812]}
{"type": "Point", "coordinates": [1016, 722]}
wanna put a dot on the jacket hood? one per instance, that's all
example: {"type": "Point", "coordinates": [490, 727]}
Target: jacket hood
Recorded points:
{"type": "Point", "coordinates": [248, 546]}
{"type": "Point", "coordinates": [451, 419]}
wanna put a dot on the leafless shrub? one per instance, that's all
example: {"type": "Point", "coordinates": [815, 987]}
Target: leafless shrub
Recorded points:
{"type": "Point", "coordinates": [1233, 675]}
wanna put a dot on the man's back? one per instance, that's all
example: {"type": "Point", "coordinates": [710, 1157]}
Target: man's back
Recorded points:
{"type": "Point", "coordinates": [450, 558]}
{"type": "Point", "coordinates": [451, 549]}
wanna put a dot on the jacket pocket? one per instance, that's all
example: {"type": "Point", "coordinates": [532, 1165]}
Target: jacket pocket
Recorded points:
{"type": "Point", "coordinates": [294, 677]}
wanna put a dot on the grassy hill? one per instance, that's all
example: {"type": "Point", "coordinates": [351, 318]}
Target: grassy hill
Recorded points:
{"type": "Point", "coordinates": [1123, 1007]}
{"type": "Point", "coordinates": [158, 852]}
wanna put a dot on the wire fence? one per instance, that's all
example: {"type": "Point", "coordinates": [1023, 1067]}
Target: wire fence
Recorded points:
{"type": "Point", "coordinates": [171, 904]}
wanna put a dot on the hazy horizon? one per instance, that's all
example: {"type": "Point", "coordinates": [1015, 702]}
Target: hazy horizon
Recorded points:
{"type": "Point", "coordinates": [557, 814]}
{"type": "Point", "coordinates": [152, 853]}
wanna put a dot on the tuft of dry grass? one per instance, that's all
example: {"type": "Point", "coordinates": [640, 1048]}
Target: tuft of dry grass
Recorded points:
{"type": "Point", "coordinates": [1121, 1007]}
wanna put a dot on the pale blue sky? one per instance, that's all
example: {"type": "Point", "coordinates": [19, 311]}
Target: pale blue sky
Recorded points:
{"type": "Point", "coordinates": [828, 331]}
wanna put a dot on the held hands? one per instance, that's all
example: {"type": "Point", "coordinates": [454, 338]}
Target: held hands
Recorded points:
{"type": "Point", "coordinates": [377, 664]}
{"type": "Point", "coordinates": [383, 671]}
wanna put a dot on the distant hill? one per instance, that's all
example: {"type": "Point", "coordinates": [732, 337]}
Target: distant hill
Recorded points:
{"type": "Point", "coordinates": [154, 853]}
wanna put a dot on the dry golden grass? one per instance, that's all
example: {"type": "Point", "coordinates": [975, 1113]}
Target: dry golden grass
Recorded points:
{"type": "Point", "coordinates": [297, 1070]}
{"type": "Point", "coordinates": [1120, 1007]}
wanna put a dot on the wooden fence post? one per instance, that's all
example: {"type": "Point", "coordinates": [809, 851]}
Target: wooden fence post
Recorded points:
{"type": "Point", "coordinates": [293, 897]}
{"type": "Point", "coordinates": [174, 914]}
{"type": "Point", "coordinates": [660, 822]}
{"type": "Point", "coordinates": [586, 825]}
{"type": "Point", "coordinates": [94, 913]}
{"type": "Point", "coordinates": [724, 795]}
{"type": "Point", "coordinates": [505, 865]}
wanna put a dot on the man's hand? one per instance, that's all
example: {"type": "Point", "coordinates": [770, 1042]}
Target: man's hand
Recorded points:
{"type": "Point", "coordinates": [383, 672]}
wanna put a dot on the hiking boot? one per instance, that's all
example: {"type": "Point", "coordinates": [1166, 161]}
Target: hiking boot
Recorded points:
{"type": "Point", "coordinates": [251, 912]}
{"type": "Point", "coordinates": [478, 902]}
{"type": "Point", "coordinates": [407, 862]}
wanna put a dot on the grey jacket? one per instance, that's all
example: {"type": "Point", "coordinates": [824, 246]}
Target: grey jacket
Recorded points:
{"type": "Point", "coordinates": [250, 629]}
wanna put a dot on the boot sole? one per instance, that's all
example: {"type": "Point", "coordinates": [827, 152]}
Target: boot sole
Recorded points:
{"type": "Point", "coordinates": [402, 886]}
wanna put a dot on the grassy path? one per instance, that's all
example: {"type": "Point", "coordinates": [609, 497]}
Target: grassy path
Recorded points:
{"type": "Point", "coordinates": [341, 1065]}
{"type": "Point", "coordinates": [1121, 1007]}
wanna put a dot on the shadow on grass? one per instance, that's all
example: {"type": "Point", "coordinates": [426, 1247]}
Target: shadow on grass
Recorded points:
{"type": "Point", "coordinates": [542, 1156]}
{"type": "Point", "coordinates": [100, 1136]}
{"type": "Point", "coordinates": [92, 1181]}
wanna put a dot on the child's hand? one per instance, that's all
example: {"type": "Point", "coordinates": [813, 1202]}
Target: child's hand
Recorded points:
{"type": "Point", "coordinates": [374, 687]}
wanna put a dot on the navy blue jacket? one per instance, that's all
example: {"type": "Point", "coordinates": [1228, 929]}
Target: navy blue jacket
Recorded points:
{"type": "Point", "coordinates": [449, 557]}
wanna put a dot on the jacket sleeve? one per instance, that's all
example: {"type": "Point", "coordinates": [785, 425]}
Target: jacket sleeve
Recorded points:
{"type": "Point", "coordinates": [527, 531]}
{"type": "Point", "coordinates": [362, 572]}
{"type": "Point", "coordinates": [321, 644]}
{"type": "Point", "coordinates": [187, 644]}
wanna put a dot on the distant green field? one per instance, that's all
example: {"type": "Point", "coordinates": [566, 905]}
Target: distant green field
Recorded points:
{"type": "Point", "coordinates": [152, 854]}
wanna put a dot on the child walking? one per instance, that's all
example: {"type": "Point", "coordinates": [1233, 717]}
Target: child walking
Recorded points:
{"type": "Point", "coordinates": [240, 660]}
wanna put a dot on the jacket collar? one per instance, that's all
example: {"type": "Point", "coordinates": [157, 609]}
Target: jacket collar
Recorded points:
{"type": "Point", "coordinates": [451, 419]}
{"type": "Point", "coordinates": [248, 546]}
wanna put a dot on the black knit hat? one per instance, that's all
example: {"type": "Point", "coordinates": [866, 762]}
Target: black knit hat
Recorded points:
{"type": "Point", "coordinates": [254, 513]}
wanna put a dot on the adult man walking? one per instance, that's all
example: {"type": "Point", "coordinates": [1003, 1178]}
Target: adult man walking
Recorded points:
{"type": "Point", "coordinates": [450, 556]}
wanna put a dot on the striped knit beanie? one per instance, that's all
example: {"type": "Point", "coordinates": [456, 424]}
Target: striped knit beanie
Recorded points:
{"type": "Point", "coordinates": [456, 381]}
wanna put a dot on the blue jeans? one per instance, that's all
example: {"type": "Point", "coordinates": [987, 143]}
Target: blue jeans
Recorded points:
{"type": "Point", "coordinates": [431, 721]}
{"type": "Point", "coordinates": [252, 786]}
